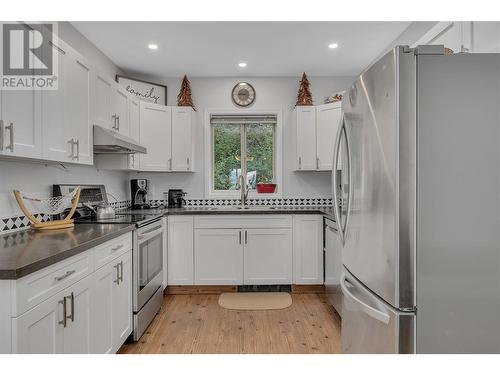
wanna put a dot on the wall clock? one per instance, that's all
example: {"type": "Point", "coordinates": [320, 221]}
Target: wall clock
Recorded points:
{"type": "Point", "coordinates": [243, 94]}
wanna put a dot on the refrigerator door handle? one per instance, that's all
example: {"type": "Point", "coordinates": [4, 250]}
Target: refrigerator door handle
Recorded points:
{"type": "Point", "coordinates": [334, 179]}
{"type": "Point", "coordinates": [371, 311]}
{"type": "Point", "coordinates": [349, 163]}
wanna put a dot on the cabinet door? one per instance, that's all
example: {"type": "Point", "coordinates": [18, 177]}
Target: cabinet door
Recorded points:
{"type": "Point", "coordinates": [308, 249]}
{"type": "Point", "coordinates": [180, 250]}
{"type": "Point", "coordinates": [55, 112]}
{"type": "Point", "coordinates": [155, 135]}
{"type": "Point", "coordinates": [40, 330]}
{"type": "Point", "coordinates": [133, 114]}
{"type": "Point", "coordinates": [218, 257]}
{"type": "Point", "coordinates": [122, 301]}
{"type": "Point", "coordinates": [77, 334]}
{"type": "Point", "coordinates": [327, 122]}
{"type": "Point", "coordinates": [121, 110]}
{"type": "Point", "coordinates": [306, 138]}
{"type": "Point", "coordinates": [102, 100]}
{"type": "Point", "coordinates": [182, 139]}
{"type": "Point", "coordinates": [79, 108]}
{"type": "Point", "coordinates": [102, 308]}
{"type": "Point", "coordinates": [267, 256]}
{"type": "Point", "coordinates": [20, 114]}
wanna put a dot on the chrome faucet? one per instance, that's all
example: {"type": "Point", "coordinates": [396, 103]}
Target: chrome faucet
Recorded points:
{"type": "Point", "coordinates": [244, 190]}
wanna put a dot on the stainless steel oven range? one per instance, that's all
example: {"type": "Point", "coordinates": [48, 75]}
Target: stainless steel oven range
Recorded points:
{"type": "Point", "coordinates": [147, 251]}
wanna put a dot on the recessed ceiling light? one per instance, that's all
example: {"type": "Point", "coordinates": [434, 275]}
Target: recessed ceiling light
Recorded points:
{"type": "Point", "coordinates": [333, 45]}
{"type": "Point", "coordinates": [242, 64]}
{"type": "Point", "coordinates": [152, 46]}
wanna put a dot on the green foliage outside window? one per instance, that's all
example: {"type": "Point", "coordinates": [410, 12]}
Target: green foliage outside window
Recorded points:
{"type": "Point", "coordinates": [227, 150]}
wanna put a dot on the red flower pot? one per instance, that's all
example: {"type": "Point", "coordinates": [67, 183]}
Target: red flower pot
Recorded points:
{"type": "Point", "coordinates": [266, 188]}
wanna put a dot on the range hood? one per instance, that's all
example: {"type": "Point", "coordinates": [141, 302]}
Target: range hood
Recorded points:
{"type": "Point", "coordinates": [107, 141]}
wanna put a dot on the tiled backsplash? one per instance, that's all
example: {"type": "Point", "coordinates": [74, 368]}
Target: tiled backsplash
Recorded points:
{"type": "Point", "coordinates": [10, 224]}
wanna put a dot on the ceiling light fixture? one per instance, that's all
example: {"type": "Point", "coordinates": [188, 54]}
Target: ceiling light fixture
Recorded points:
{"type": "Point", "coordinates": [333, 45]}
{"type": "Point", "coordinates": [242, 64]}
{"type": "Point", "coordinates": [153, 46]}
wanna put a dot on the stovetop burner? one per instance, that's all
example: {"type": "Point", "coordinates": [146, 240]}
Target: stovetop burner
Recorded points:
{"type": "Point", "coordinates": [138, 219]}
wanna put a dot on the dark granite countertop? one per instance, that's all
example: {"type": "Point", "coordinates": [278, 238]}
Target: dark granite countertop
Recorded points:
{"type": "Point", "coordinates": [27, 251]}
{"type": "Point", "coordinates": [326, 211]}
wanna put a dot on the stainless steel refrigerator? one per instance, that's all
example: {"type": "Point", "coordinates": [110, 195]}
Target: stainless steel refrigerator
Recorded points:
{"type": "Point", "coordinates": [418, 204]}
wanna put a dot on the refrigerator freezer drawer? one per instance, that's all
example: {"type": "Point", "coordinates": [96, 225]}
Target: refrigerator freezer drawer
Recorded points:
{"type": "Point", "coordinates": [370, 325]}
{"type": "Point", "coordinates": [333, 266]}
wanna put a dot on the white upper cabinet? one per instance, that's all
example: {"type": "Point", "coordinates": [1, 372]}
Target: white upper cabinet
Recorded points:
{"type": "Point", "coordinates": [182, 138]}
{"type": "Point", "coordinates": [314, 132]}
{"type": "Point", "coordinates": [79, 108]}
{"type": "Point", "coordinates": [102, 100]}
{"type": "Point", "coordinates": [305, 137]}
{"type": "Point", "coordinates": [20, 131]}
{"type": "Point", "coordinates": [155, 135]}
{"type": "Point", "coordinates": [328, 118]}
{"type": "Point", "coordinates": [121, 111]}
{"type": "Point", "coordinates": [134, 118]}
{"type": "Point", "coordinates": [57, 139]}
{"type": "Point", "coordinates": [167, 134]}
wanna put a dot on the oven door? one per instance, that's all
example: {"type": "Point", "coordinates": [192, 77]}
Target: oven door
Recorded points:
{"type": "Point", "coordinates": [148, 263]}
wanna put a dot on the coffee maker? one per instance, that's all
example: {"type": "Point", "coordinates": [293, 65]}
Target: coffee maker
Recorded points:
{"type": "Point", "coordinates": [139, 193]}
{"type": "Point", "coordinates": [176, 198]}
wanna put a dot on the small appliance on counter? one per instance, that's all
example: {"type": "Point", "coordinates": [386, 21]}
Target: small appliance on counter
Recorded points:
{"type": "Point", "coordinates": [176, 198]}
{"type": "Point", "coordinates": [139, 190]}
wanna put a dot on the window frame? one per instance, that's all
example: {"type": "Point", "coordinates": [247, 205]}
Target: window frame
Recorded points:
{"type": "Point", "coordinates": [209, 153]}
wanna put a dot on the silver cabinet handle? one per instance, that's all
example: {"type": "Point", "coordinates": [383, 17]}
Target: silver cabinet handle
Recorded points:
{"type": "Point", "coordinates": [72, 143]}
{"type": "Point", "coordinates": [188, 166]}
{"type": "Point", "coordinates": [240, 237]}
{"type": "Point", "coordinates": [2, 129]}
{"type": "Point", "coordinates": [117, 266]}
{"type": "Point", "coordinates": [118, 123]}
{"type": "Point", "coordinates": [170, 163]}
{"type": "Point", "coordinates": [72, 298]}
{"type": "Point", "coordinates": [64, 320]}
{"type": "Point", "coordinates": [113, 117]}
{"type": "Point", "coordinates": [10, 127]}
{"type": "Point", "coordinates": [317, 163]}
{"type": "Point", "coordinates": [121, 271]}
{"type": "Point", "coordinates": [77, 149]}
{"type": "Point", "coordinates": [300, 162]}
{"type": "Point", "coordinates": [67, 274]}
{"type": "Point", "coordinates": [116, 248]}
{"type": "Point", "coordinates": [246, 237]}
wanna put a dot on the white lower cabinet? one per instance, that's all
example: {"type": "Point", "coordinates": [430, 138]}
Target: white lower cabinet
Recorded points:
{"type": "Point", "coordinates": [268, 256]}
{"type": "Point", "coordinates": [218, 257]}
{"type": "Point", "coordinates": [112, 305]}
{"type": "Point", "coordinates": [60, 324]}
{"type": "Point", "coordinates": [180, 250]}
{"type": "Point", "coordinates": [308, 249]}
{"type": "Point", "coordinates": [91, 314]}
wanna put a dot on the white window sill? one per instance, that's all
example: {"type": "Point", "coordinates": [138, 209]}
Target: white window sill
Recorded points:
{"type": "Point", "coordinates": [251, 195]}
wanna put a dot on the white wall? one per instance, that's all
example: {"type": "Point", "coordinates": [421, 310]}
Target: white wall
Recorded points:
{"type": "Point", "coordinates": [215, 93]}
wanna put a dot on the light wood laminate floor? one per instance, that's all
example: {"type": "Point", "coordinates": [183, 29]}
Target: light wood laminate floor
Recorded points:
{"type": "Point", "coordinates": [197, 324]}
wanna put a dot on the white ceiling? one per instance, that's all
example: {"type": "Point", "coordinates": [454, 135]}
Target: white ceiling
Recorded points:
{"type": "Point", "coordinates": [214, 49]}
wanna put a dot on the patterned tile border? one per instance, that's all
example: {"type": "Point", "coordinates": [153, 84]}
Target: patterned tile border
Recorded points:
{"type": "Point", "coordinates": [15, 223]}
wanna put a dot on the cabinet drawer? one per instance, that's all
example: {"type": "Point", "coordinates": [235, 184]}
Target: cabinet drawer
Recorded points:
{"type": "Point", "coordinates": [110, 250]}
{"type": "Point", "coordinates": [243, 221]}
{"type": "Point", "coordinates": [37, 287]}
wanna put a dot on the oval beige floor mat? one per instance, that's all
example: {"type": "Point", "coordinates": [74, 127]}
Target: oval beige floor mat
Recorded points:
{"type": "Point", "coordinates": [255, 301]}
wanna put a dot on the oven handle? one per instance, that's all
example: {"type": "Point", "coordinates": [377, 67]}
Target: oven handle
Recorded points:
{"type": "Point", "coordinates": [150, 233]}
